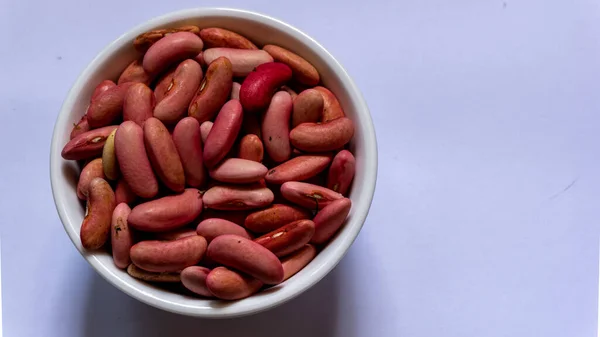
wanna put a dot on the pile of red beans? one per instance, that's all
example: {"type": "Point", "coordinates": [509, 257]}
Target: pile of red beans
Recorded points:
{"type": "Point", "coordinates": [212, 163]}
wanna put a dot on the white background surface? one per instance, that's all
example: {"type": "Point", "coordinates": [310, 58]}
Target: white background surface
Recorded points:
{"type": "Point", "coordinates": [484, 221]}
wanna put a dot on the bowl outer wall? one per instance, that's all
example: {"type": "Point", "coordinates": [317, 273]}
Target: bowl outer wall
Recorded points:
{"type": "Point", "coordinates": [261, 29]}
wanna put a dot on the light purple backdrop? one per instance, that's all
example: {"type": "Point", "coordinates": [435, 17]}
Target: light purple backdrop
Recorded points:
{"type": "Point", "coordinates": [485, 219]}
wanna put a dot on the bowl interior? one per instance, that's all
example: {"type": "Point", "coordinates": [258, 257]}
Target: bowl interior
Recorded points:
{"type": "Point", "coordinates": [261, 30]}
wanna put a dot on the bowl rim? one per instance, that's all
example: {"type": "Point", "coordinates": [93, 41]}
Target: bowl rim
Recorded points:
{"type": "Point", "coordinates": [337, 255]}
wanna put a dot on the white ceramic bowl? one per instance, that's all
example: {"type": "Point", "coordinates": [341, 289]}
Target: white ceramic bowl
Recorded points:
{"type": "Point", "coordinates": [262, 30]}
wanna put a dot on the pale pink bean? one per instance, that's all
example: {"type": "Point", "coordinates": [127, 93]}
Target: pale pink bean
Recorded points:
{"type": "Point", "coordinates": [329, 219]}
{"type": "Point", "coordinates": [298, 260]}
{"type": "Point", "coordinates": [223, 133]}
{"type": "Point", "coordinates": [211, 228]}
{"type": "Point", "coordinates": [238, 171]}
{"type": "Point", "coordinates": [235, 91]}
{"type": "Point", "coordinates": [237, 197]}
{"type": "Point", "coordinates": [243, 61]}
{"type": "Point", "coordinates": [133, 161]}
{"type": "Point", "coordinates": [183, 87]}
{"type": "Point", "coordinates": [308, 195]}
{"type": "Point", "coordinates": [171, 49]}
{"type": "Point", "coordinates": [167, 213]}
{"type": "Point", "coordinates": [194, 279]}
{"type": "Point", "coordinates": [138, 103]}
{"type": "Point", "coordinates": [205, 130]}
{"type": "Point", "coordinates": [246, 256]}
{"type": "Point", "coordinates": [187, 139]}
{"type": "Point", "coordinates": [275, 127]}
{"type": "Point", "coordinates": [121, 236]}
{"type": "Point", "coordinates": [90, 171]}
{"type": "Point", "coordinates": [341, 172]}
{"type": "Point", "coordinates": [168, 256]}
